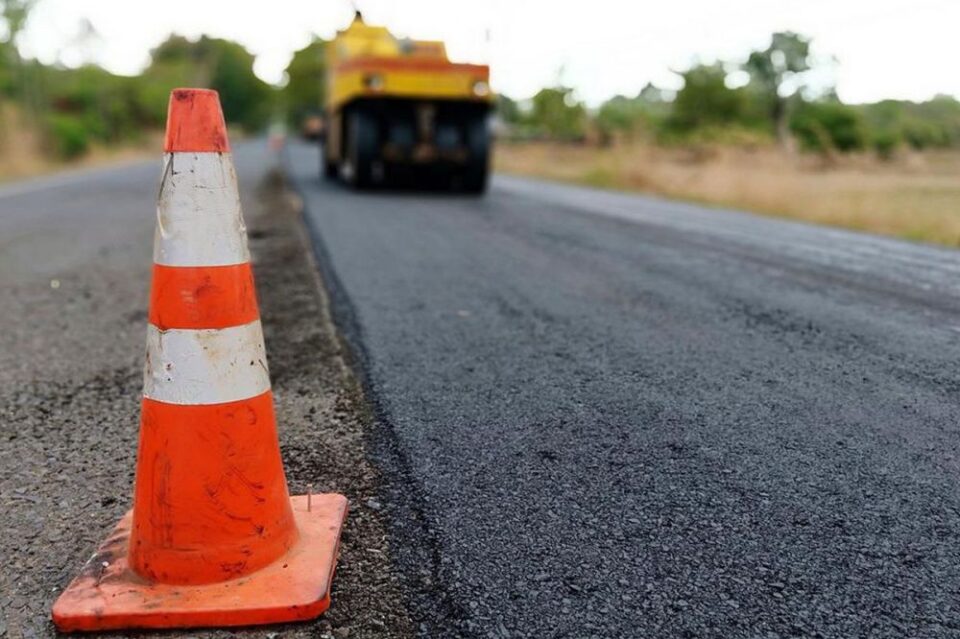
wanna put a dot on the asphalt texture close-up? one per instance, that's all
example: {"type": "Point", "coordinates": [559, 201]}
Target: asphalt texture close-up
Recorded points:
{"type": "Point", "coordinates": [604, 415]}
{"type": "Point", "coordinates": [74, 280]}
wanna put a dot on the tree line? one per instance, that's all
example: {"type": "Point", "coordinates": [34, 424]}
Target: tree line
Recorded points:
{"type": "Point", "coordinates": [766, 98]}
{"type": "Point", "coordinates": [75, 108]}
{"type": "Point", "coordinates": [777, 102]}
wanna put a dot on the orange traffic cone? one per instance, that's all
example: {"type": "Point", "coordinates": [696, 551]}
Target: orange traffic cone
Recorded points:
{"type": "Point", "coordinates": [213, 539]}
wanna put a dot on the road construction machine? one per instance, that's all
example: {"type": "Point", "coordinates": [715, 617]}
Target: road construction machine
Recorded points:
{"type": "Point", "coordinates": [398, 111]}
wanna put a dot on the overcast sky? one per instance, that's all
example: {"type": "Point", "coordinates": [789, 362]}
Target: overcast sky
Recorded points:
{"type": "Point", "coordinates": [885, 48]}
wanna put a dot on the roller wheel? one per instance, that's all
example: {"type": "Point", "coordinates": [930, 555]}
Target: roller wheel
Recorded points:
{"type": "Point", "coordinates": [477, 171]}
{"type": "Point", "coordinates": [362, 136]}
{"type": "Point", "coordinates": [329, 170]}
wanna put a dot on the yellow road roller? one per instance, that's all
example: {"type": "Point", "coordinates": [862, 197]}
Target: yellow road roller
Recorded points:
{"type": "Point", "coordinates": [398, 111]}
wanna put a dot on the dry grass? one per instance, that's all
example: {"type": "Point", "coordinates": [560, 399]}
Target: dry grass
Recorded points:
{"type": "Point", "coordinates": [22, 152]}
{"type": "Point", "coordinates": [916, 196]}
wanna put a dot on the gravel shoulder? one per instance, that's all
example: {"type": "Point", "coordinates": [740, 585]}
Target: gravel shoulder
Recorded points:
{"type": "Point", "coordinates": [70, 381]}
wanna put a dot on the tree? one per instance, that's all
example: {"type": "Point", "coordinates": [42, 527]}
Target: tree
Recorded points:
{"type": "Point", "coordinates": [246, 99]}
{"type": "Point", "coordinates": [626, 116]}
{"type": "Point", "coordinates": [306, 84]}
{"type": "Point", "coordinates": [705, 100]}
{"type": "Point", "coordinates": [618, 115]}
{"type": "Point", "coordinates": [17, 79]}
{"type": "Point", "coordinates": [508, 110]}
{"type": "Point", "coordinates": [934, 123]}
{"type": "Point", "coordinates": [14, 72]}
{"type": "Point", "coordinates": [776, 73]}
{"type": "Point", "coordinates": [829, 125]}
{"type": "Point", "coordinates": [558, 114]}
{"type": "Point", "coordinates": [15, 14]}
{"type": "Point", "coordinates": [218, 64]}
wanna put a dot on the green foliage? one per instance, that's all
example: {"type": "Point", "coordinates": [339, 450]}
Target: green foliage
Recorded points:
{"type": "Point", "coordinates": [209, 62]}
{"type": "Point", "coordinates": [885, 143]}
{"type": "Point", "coordinates": [776, 75]}
{"type": "Point", "coordinates": [557, 114]}
{"type": "Point", "coordinates": [15, 13]}
{"type": "Point", "coordinates": [706, 101]}
{"type": "Point", "coordinates": [67, 135]}
{"type": "Point", "coordinates": [246, 99]}
{"type": "Point", "coordinates": [627, 117]}
{"type": "Point", "coordinates": [305, 91]}
{"type": "Point", "coordinates": [829, 125]}
{"type": "Point", "coordinates": [619, 114]}
{"type": "Point", "coordinates": [175, 49]}
{"type": "Point", "coordinates": [103, 102]}
{"type": "Point", "coordinates": [921, 125]}
{"type": "Point", "coordinates": [13, 79]}
{"type": "Point", "coordinates": [153, 90]}
{"type": "Point", "coordinates": [787, 56]}
{"type": "Point", "coordinates": [77, 108]}
{"type": "Point", "coordinates": [508, 110]}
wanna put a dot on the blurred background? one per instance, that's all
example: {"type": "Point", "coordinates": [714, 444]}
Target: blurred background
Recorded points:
{"type": "Point", "coordinates": [841, 112]}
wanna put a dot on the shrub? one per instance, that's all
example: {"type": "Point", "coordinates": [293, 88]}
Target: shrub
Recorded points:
{"type": "Point", "coordinates": [706, 101]}
{"type": "Point", "coordinates": [885, 143]}
{"type": "Point", "coordinates": [825, 126]}
{"type": "Point", "coordinates": [556, 113]}
{"type": "Point", "coordinates": [67, 136]}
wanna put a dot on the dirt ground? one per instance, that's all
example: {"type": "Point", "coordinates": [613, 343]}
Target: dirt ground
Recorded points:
{"type": "Point", "coordinates": [78, 437]}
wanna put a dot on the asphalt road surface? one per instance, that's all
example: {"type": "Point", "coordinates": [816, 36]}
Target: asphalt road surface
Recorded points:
{"type": "Point", "coordinates": [592, 414]}
{"type": "Point", "coordinates": [619, 416]}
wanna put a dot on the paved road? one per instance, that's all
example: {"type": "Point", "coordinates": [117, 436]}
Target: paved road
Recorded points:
{"type": "Point", "coordinates": [618, 416]}
{"type": "Point", "coordinates": [596, 414]}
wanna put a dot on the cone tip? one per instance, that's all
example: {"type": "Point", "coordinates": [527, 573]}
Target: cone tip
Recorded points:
{"type": "Point", "coordinates": [195, 122]}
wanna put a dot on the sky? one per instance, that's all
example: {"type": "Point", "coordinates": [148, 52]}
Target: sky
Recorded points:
{"type": "Point", "coordinates": [870, 49]}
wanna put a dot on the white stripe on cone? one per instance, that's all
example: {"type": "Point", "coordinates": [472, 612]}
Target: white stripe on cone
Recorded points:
{"type": "Point", "coordinates": [205, 366]}
{"type": "Point", "coordinates": [199, 221]}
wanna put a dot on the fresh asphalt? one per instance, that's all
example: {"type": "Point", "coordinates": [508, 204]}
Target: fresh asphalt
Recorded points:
{"type": "Point", "coordinates": [606, 415]}
{"type": "Point", "coordinates": [593, 414]}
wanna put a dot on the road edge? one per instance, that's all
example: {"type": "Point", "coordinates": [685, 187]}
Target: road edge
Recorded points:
{"type": "Point", "coordinates": [415, 548]}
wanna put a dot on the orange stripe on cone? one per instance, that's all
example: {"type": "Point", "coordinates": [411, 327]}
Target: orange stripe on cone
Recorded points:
{"type": "Point", "coordinates": [195, 122]}
{"type": "Point", "coordinates": [202, 296]}
{"type": "Point", "coordinates": [210, 506]}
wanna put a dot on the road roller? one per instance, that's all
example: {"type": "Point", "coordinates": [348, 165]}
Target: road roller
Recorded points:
{"type": "Point", "coordinates": [399, 112]}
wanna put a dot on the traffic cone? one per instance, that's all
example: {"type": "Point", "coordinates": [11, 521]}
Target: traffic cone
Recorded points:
{"type": "Point", "coordinates": [213, 539]}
